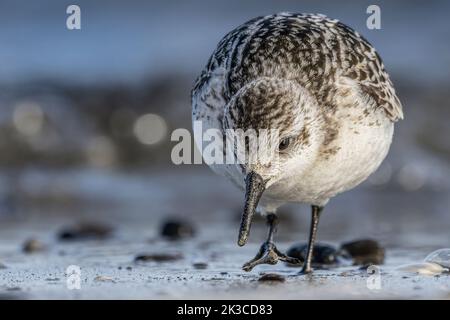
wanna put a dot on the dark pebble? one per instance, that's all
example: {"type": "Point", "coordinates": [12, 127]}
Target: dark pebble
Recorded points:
{"type": "Point", "coordinates": [85, 231]}
{"type": "Point", "coordinates": [158, 257]}
{"type": "Point", "coordinates": [364, 252]}
{"type": "Point", "coordinates": [33, 245]}
{"type": "Point", "coordinates": [323, 254]}
{"type": "Point", "coordinates": [364, 267]}
{"type": "Point", "coordinates": [177, 229]}
{"type": "Point", "coordinates": [14, 289]}
{"type": "Point", "coordinates": [272, 277]}
{"type": "Point", "coordinates": [200, 265]}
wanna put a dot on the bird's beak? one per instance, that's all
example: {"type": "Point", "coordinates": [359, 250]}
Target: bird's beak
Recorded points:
{"type": "Point", "coordinates": [254, 188]}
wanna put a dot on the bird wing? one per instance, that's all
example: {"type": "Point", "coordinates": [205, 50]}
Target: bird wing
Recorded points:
{"type": "Point", "coordinates": [311, 49]}
{"type": "Point", "coordinates": [360, 62]}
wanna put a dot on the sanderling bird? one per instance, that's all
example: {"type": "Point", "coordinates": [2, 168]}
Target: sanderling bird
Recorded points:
{"type": "Point", "coordinates": [324, 87]}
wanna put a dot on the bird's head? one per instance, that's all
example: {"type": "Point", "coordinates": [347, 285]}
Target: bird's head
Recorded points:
{"type": "Point", "coordinates": [270, 129]}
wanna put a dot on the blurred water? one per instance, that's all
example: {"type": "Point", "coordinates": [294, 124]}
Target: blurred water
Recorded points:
{"type": "Point", "coordinates": [129, 41]}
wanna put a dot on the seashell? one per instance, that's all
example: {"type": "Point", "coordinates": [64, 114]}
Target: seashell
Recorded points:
{"type": "Point", "coordinates": [425, 268]}
{"type": "Point", "coordinates": [440, 257]}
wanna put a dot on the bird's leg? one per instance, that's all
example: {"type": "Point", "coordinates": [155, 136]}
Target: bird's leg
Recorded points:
{"type": "Point", "coordinates": [268, 253]}
{"type": "Point", "coordinates": [316, 210]}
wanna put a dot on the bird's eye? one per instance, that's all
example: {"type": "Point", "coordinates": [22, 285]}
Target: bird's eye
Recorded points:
{"type": "Point", "coordinates": [284, 144]}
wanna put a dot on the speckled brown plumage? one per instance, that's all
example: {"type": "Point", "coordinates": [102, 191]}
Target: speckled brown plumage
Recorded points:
{"type": "Point", "coordinates": [318, 82]}
{"type": "Point", "coordinates": [312, 50]}
{"type": "Point", "coordinates": [325, 91]}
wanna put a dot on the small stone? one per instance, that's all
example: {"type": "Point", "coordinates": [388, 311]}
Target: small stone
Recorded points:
{"type": "Point", "coordinates": [364, 252]}
{"type": "Point", "coordinates": [13, 289]}
{"type": "Point", "coordinates": [440, 257]}
{"type": "Point", "coordinates": [424, 268]}
{"type": "Point", "coordinates": [323, 254]}
{"type": "Point", "coordinates": [104, 279]}
{"type": "Point", "coordinates": [200, 265]}
{"type": "Point", "coordinates": [33, 245]}
{"type": "Point", "coordinates": [158, 257]}
{"type": "Point", "coordinates": [273, 277]}
{"type": "Point", "coordinates": [2, 266]}
{"type": "Point", "coordinates": [129, 268]}
{"type": "Point", "coordinates": [85, 231]}
{"type": "Point", "coordinates": [177, 229]}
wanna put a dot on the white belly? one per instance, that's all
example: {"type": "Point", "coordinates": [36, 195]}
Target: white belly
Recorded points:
{"type": "Point", "coordinates": [357, 152]}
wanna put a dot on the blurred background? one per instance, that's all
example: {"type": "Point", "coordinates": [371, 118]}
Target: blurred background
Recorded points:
{"type": "Point", "coordinates": [86, 117]}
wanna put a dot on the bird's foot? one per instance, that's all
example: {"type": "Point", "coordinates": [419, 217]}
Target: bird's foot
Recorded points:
{"type": "Point", "coordinates": [268, 254]}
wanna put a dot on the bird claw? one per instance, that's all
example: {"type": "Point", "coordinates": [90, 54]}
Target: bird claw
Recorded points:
{"type": "Point", "coordinates": [268, 254]}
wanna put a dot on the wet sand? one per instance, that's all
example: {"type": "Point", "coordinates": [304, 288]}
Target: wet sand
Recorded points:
{"type": "Point", "coordinates": [208, 265]}
{"type": "Point", "coordinates": [108, 271]}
